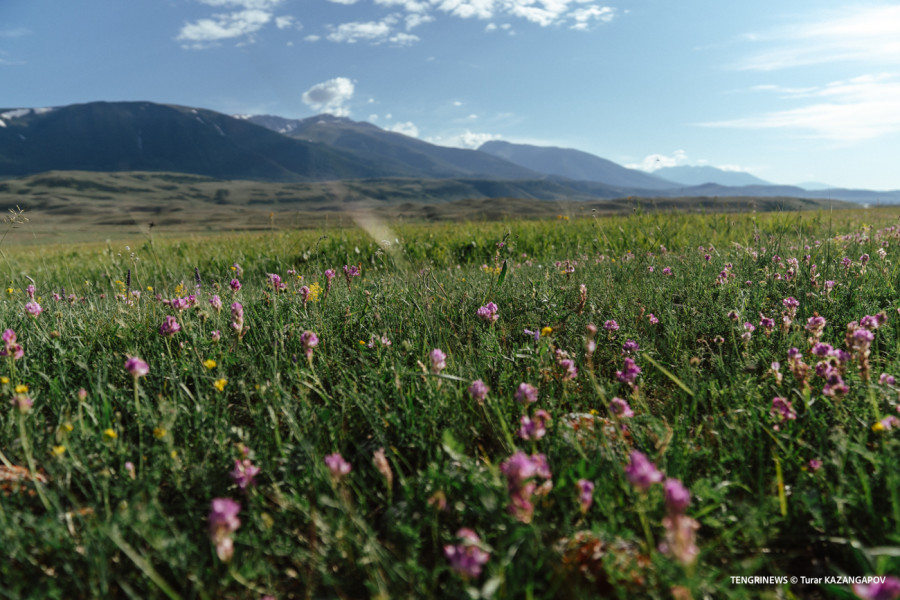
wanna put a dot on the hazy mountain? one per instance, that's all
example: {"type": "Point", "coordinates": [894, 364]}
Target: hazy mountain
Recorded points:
{"type": "Point", "coordinates": [402, 154]}
{"type": "Point", "coordinates": [814, 186]}
{"type": "Point", "coordinates": [699, 175]}
{"type": "Point", "coordinates": [130, 136]}
{"type": "Point", "coordinates": [574, 164]}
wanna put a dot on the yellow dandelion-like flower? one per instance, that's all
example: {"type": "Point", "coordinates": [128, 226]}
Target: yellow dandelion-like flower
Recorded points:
{"type": "Point", "coordinates": [21, 389]}
{"type": "Point", "coordinates": [110, 433]}
{"type": "Point", "coordinates": [179, 289]}
{"type": "Point", "coordinates": [546, 331]}
{"type": "Point", "coordinates": [879, 426]}
{"type": "Point", "coordinates": [594, 412]}
{"type": "Point", "coordinates": [159, 433]}
{"type": "Point", "coordinates": [4, 380]}
{"type": "Point", "coordinates": [9, 290]}
{"type": "Point", "coordinates": [58, 450]}
{"type": "Point", "coordinates": [174, 454]}
{"type": "Point", "coordinates": [220, 384]}
{"type": "Point", "coordinates": [209, 364]}
{"type": "Point", "coordinates": [67, 427]}
{"type": "Point", "coordinates": [149, 288]}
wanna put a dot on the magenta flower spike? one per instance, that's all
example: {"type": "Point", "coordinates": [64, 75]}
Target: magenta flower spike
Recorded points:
{"type": "Point", "coordinates": [137, 367]}
{"type": "Point", "coordinates": [641, 472]}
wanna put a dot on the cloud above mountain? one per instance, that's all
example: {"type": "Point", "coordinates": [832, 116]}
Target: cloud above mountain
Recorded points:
{"type": "Point", "coordinates": [330, 96]}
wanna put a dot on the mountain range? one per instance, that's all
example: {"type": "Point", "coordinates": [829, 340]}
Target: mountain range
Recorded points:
{"type": "Point", "coordinates": [146, 136]}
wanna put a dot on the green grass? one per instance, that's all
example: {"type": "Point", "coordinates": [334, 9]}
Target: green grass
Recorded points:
{"type": "Point", "coordinates": [702, 410]}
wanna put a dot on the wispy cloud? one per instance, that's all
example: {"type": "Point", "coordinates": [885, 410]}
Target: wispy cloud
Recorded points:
{"type": "Point", "coordinates": [851, 110]}
{"type": "Point", "coordinates": [330, 96]}
{"type": "Point", "coordinates": [869, 34]}
{"type": "Point", "coordinates": [15, 32]}
{"type": "Point", "coordinates": [406, 128]}
{"type": "Point", "coordinates": [374, 32]}
{"type": "Point", "coordinates": [247, 18]}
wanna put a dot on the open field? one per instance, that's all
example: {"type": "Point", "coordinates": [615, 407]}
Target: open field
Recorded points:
{"type": "Point", "coordinates": [85, 206]}
{"type": "Point", "coordinates": [629, 406]}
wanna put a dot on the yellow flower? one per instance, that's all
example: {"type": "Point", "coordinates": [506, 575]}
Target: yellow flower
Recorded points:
{"type": "Point", "coordinates": [174, 454]}
{"type": "Point", "coordinates": [361, 342]}
{"type": "Point", "coordinates": [220, 384]}
{"type": "Point", "coordinates": [149, 288]}
{"type": "Point", "coordinates": [546, 331]}
{"type": "Point", "coordinates": [67, 427]}
{"type": "Point", "coordinates": [159, 433]}
{"type": "Point", "coordinates": [110, 433]}
{"type": "Point", "coordinates": [179, 289]}
{"type": "Point", "coordinates": [209, 364]}
{"type": "Point", "coordinates": [58, 450]}
{"type": "Point", "coordinates": [9, 290]}
{"type": "Point", "coordinates": [21, 389]}
{"type": "Point", "coordinates": [315, 290]}
{"type": "Point", "coordinates": [879, 426]}
{"type": "Point", "coordinates": [4, 380]}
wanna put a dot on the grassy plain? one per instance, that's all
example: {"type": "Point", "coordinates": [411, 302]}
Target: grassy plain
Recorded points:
{"type": "Point", "coordinates": [113, 473]}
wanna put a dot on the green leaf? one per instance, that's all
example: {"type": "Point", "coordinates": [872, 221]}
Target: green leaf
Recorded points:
{"type": "Point", "coordinates": [502, 277]}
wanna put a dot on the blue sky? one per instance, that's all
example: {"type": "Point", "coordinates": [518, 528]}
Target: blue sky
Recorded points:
{"type": "Point", "coordinates": [790, 91]}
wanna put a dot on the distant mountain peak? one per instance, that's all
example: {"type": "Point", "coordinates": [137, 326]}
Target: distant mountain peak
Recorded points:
{"type": "Point", "coordinates": [703, 174]}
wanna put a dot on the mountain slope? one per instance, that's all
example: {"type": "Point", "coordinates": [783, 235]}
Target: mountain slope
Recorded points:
{"type": "Point", "coordinates": [699, 175]}
{"type": "Point", "coordinates": [574, 164]}
{"type": "Point", "coordinates": [120, 136]}
{"type": "Point", "coordinates": [403, 154]}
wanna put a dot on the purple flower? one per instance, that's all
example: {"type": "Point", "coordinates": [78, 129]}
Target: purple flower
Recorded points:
{"type": "Point", "coordinates": [520, 471]}
{"type": "Point", "coordinates": [33, 309]}
{"type": "Point", "coordinates": [641, 472]}
{"type": "Point", "coordinates": [136, 367]}
{"type": "Point", "coordinates": [179, 304]}
{"type": "Point", "coordinates": [815, 464]}
{"type": "Point", "coordinates": [467, 558]}
{"type": "Point", "coordinates": [783, 409]}
{"type": "Point", "coordinates": [30, 291]}
{"type": "Point", "coordinates": [681, 538]}
{"type": "Point", "coordinates": [611, 325]}
{"type": "Point", "coordinates": [304, 293]}
{"type": "Point", "coordinates": [886, 379]}
{"type": "Point", "coordinates": [478, 390]}
{"type": "Point", "coordinates": [585, 494]}
{"type": "Point", "coordinates": [309, 340]}
{"type": "Point", "coordinates": [216, 303]}
{"type": "Point", "coordinates": [169, 326]}
{"type": "Point", "coordinates": [216, 335]}
{"type": "Point", "coordinates": [534, 429]}
{"type": "Point", "coordinates": [677, 496]}
{"type": "Point", "coordinates": [620, 408]}
{"type": "Point", "coordinates": [667, 271]}
{"type": "Point", "coordinates": [223, 521]}
{"type": "Point", "coordinates": [526, 394]}
{"type": "Point", "coordinates": [569, 368]}
{"type": "Point", "coordinates": [235, 285]}
{"type": "Point", "coordinates": [630, 347]}
{"type": "Point", "coordinates": [629, 372]}
{"type": "Point", "coordinates": [11, 347]}
{"type": "Point", "coordinates": [438, 360]}
{"type": "Point", "coordinates": [244, 473]}
{"type": "Point", "coordinates": [652, 318]}
{"type": "Point", "coordinates": [237, 318]}
{"type": "Point", "coordinates": [887, 588]}
{"type": "Point", "coordinates": [337, 465]}
{"type": "Point", "coordinates": [488, 313]}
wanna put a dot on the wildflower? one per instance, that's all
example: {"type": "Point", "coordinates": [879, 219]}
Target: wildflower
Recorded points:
{"type": "Point", "coordinates": [677, 496]}
{"type": "Point", "coordinates": [110, 433]}
{"type": "Point", "coordinates": [22, 402]}
{"type": "Point", "coordinates": [620, 408]}
{"type": "Point", "coordinates": [641, 472]}
{"type": "Point", "coordinates": [237, 319]}
{"type": "Point", "coordinates": [611, 325]}
{"type": "Point", "coordinates": [216, 303]}
{"type": "Point", "coordinates": [630, 347]}
{"type": "Point", "coordinates": [309, 340]}
{"type": "Point", "coordinates": [520, 471]}
{"type": "Point", "coordinates": [11, 348]}
{"type": "Point", "coordinates": [209, 364]}
{"type": "Point", "coordinates": [570, 371]}
{"type": "Point", "coordinates": [681, 538]}
{"type": "Point", "coordinates": [438, 360]}
{"type": "Point", "coordinates": [534, 429]}
{"type": "Point", "coordinates": [33, 309]}
{"type": "Point", "coordinates": [667, 271]}
{"type": "Point", "coordinates": [629, 372]}
{"type": "Point", "coordinates": [350, 271]}
{"type": "Point", "coordinates": [30, 291]}
{"type": "Point", "coordinates": [82, 394]}
{"type": "Point", "coordinates": [137, 367]}
{"type": "Point", "coordinates": [169, 326]}
{"type": "Point", "coordinates": [223, 521]}
{"type": "Point", "coordinates": [545, 331]}
{"type": "Point", "coordinates": [237, 269]}
{"type": "Point", "coordinates": [179, 304]}
{"type": "Point", "coordinates": [467, 558]}
{"type": "Point", "coordinates": [653, 320]}
{"type": "Point", "coordinates": [478, 390]}
{"type": "Point", "coordinates": [244, 473]}
{"type": "Point", "coordinates": [783, 409]}
{"type": "Point", "coordinates": [488, 313]}
{"type": "Point", "coordinates": [815, 325]}
{"type": "Point", "coordinates": [219, 384]}
{"type": "Point", "coordinates": [381, 465]}
{"type": "Point", "coordinates": [235, 285]}
{"type": "Point", "coordinates": [814, 465]}
{"type": "Point", "coordinates": [275, 281]}
{"type": "Point", "coordinates": [585, 494]}
{"type": "Point", "coordinates": [767, 324]}
{"type": "Point", "coordinates": [886, 379]}
{"type": "Point", "coordinates": [159, 433]}
{"type": "Point", "coordinates": [215, 336]}
{"type": "Point", "coordinates": [337, 465]}
{"type": "Point", "coordinates": [887, 588]}
{"type": "Point", "coordinates": [526, 394]}
{"type": "Point", "coordinates": [58, 450]}
{"type": "Point", "coordinates": [886, 424]}
{"type": "Point", "coordinates": [304, 294]}
{"type": "Point", "coordinates": [21, 388]}
{"type": "Point", "coordinates": [129, 468]}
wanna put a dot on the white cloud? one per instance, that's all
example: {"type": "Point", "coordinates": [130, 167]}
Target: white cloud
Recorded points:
{"type": "Point", "coordinates": [406, 128]}
{"type": "Point", "coordinates": [330, 96]}
{"type": "Point", "coordinates": [245, 4]}
{"type": "Point", "coordinates": [467, 139]}
{"type": "Point", "coordinates": [851, 110]}
{"type": "Point", "coordinates": [312, 38]}
{"type": "Point", "coordinates": [653, 162]}
{"type": "Point", "coordinates": [205, 32]}
{"type": "Point", "coordinates": [869, 34]}
{"type": "Point", "coordinates": [344, 2]}
{"type": "Point", "coordinates": [287, 22]}
{"type": "Point", "coordinates": [410, 6]}
{"type": "Point", "coordinates": [374, 32]}
{"type": "Point", "coordinates": [584, 16]}
{"type": "Point", "coordinates": [416, 19]}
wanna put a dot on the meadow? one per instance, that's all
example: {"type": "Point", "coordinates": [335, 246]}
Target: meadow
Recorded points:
{"type": "Point", "coordinates": [638, 406]}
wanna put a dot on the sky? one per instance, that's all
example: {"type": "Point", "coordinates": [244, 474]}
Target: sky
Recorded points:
{"type": "Point", "coordinates": [793, 92]}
